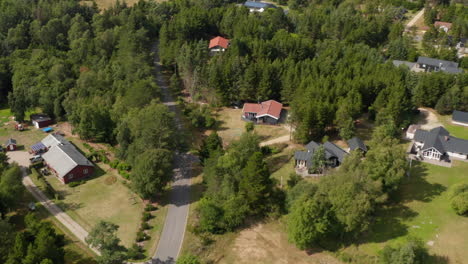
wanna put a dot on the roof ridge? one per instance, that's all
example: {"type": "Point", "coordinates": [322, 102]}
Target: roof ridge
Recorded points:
{"type": "Point", "coordinates": [66, 154]}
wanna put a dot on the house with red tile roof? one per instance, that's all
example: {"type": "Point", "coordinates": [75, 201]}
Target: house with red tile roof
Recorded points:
{"type": "Point", "coordinates": [218, 44]}
{"type": "Point", "coordinates": [268, 112]}
{"type": "Point", "coordinates": [443, 25]}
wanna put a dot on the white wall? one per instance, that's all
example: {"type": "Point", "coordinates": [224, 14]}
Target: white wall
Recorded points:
{"type": "Point", "coordinates": [459, 123]}
{"type": "Point", "coordinates": [457, 155]}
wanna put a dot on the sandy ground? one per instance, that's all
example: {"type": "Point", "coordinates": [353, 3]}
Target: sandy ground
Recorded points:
{"type": "Point", "coordinates": [20, 157]}
{"type": "Point", "coordinates": [428, 119]}
{"type": "Point", "coordinates": [264, 243]}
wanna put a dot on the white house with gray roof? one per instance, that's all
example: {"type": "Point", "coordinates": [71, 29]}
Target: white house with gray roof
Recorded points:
{"type": "Point", "coordinates": [437, 144]}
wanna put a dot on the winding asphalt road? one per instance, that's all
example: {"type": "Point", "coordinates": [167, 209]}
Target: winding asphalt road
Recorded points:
{"type": "Point", "coordinates": [175, 224]}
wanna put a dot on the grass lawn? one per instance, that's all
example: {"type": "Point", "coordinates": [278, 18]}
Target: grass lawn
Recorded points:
{"type": "Point", "coordinates": [455, 130]}
{"type": "Point", "coordinates": [101, 198]}
{"type": "Point", "coordinates": [423, 211]}
{"type": "Point", "coordinates": [231, 127]}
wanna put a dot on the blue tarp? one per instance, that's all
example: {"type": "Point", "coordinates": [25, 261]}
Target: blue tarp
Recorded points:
{"type": "Point", "coordinates": [38, 147]}
{"type": "Point", "coordinates": [47, 129]}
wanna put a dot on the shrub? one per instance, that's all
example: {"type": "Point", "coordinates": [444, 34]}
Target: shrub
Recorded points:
{"type": "Point", "coordinates": [124, 174]}
{"type": "Point", "coordinates": [145, 226]}
{"type": "Point", "coordinates": [123, 166]}
{"type": "Point", "coordinates": [149, 207]}
{"type": "Point", "coordinates": [249, 126]}
{"type": "Point", "coordinates": [135, 252]}
{"type": "Point", "coordinates": [460, 203]}
{"type": "Point", "coordinates": [141, 236]}
{"type": "Point", "coordinates": [146, 216]}
{"type": "Point", "coordinates": [35, 173]}
{"type": "Point", "coordinates": [75, 183]}
{"type": "Point", "coordinates": [114, 164]}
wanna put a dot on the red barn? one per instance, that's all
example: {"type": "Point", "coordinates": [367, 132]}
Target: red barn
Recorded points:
{"type": "Point", "coordinates": [41, 120]}
{"type": "Point", "coordinates": [68, 163]}
{"type": "Point", "coordinates": [10, 145]}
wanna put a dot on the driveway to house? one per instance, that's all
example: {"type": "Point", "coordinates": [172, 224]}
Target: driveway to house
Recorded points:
{"type": "Point", "coordinates": [429, 120]}
{"type": "Point", "coordinates": [277, 140]}
{"type": "Point", "coordinates": [22, 158]}
{"type": "Point", "coordinates": [172, 236]}
{"type": "Point", "coordinates": [415, 19]}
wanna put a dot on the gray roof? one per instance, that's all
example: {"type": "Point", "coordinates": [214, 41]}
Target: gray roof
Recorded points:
{"type": "Point", "coordinates": [440, 139]}
{"type": "Point", "coordinates": [357, 143]}
{"type": "Point", "coordinates": [39, 117]}
{"type": "Point", "coordinates": [54, 140]}
{"type": "Point", "coordinates": [331, 150]}
{"type": "Point", "coordinates": [460, 116]}
{"type": "Point", "coordinates": [64, 158]}
{"type": "Point", "coordinates": [446, 66]}
{"type": "Point", "coordinates": [397, 63]}
{"type": "Point", "coordinates": [10, 142]}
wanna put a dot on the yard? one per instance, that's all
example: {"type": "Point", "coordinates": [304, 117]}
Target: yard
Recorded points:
{"type": "Point", "coordinates": [231, 127]}
{"type": "Point", "coordinates": [423, 211]}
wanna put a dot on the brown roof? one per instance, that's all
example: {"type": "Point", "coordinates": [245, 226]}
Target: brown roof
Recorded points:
{"type": "Point", "coordinates": [219, 41]}
{"type": "Point", "coordinates": [270, 107]}
{"type": "Point", "coordinates": [439, 24]}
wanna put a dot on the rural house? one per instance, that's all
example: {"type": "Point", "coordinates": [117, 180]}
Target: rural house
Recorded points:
{"type": "Point", "coordinates": [218, 44]}
{"type": "Point", "coordinates": [258, 6]}
{"type": "Point", "coordinates": [460, 118]}
{"type": "Point", "coordinates": [48, 142]}
{"type": "Point", "coordinates": [65, 160]}
{"type": "Point", "coordinates": [356, 143]}
{"type": "Point", "coordinates": [425, 64]}
{"type": "Point", "coordinates": [40, 120]}
{"type": "Point", "coordinates": [10, 145]}
{"type": "Point", "coordinates": [268, 112]}
{"type": "Point", "coordinates": [437, 144]}
{"type": "Point", "coordinates": [445, 26]}
{"type": "Point", "coordinates": [334, 155]}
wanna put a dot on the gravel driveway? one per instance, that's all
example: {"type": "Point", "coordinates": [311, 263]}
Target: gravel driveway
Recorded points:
{"type": "Point", "coordinates": [20, 157]}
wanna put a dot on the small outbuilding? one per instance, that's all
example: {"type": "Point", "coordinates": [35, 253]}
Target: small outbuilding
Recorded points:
{"type": "Point", "coordinates": [460, 118]}
{"type": "Point", "coordinates": [41, 120]}
{"type": "Point", "coordinates": [356, 143]}
{"type": "Point", "coordinates": [10, 145]}
{"type": "Point", "coordinates": [445, 26]}
{"type": "Point", "coordinates": [260, 7]}
{"type": "Point", "coordinates": [411, 131]}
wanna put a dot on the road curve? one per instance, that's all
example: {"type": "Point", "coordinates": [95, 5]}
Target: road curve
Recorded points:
{"type": "Point", "coordinates": [172, 236]}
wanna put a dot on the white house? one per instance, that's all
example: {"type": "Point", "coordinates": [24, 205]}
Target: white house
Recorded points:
{"type": "Point", "coordinates": [258, 6]}
{"type": "Point", "coordinates": [437, 144]}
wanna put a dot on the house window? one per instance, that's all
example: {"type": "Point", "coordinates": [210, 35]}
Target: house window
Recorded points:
{"type": "Point", "coordinates": [70, 176]}
{"type": "Point", "coordinates": [85, 171]}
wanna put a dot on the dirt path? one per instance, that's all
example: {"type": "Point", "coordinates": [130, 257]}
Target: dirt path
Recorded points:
{"type": "Point", "coordinates": [428, 119]}
{"type": "Point", "coordinates": [22, 158]}
{"type": "Point", "coordinates": [275, 141]}
{"type": "Point", "coordinates": [413, 21]}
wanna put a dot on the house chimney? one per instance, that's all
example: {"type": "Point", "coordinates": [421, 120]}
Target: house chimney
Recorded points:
{"type": "Point", "coordinates": [447, 138]}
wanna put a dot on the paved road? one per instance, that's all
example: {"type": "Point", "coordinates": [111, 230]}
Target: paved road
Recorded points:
{"type": "Point", "coordinates": [175, 224]}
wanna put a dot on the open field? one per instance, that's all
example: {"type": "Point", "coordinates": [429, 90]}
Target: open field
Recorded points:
{"type": "Point", "coordinates": [455, 130]}
{"type": "Point", "coordinates": [103, 4]}
{"type": "Point", "coordinates": [231, 127]}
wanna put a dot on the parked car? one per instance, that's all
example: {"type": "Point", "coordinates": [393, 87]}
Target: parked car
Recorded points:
{"type": "Point", "coordinates": [36, 158]}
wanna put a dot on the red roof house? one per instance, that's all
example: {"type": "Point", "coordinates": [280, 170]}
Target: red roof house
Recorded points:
{"type": "Point", "coordinates": [218, 44]}
{"type": "Point", "coordinates": [265, 112]}
{"type": "Point", "coordinates": [443, 25]}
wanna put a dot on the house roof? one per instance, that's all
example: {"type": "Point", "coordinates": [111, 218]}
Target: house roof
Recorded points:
{"type": "Point", "coordinates": [39, 117]}
{"type": "Point", "coordinates": [10, 142]}
{"type": "Point", "coordinates": [397, 63]}
{"type": "Point", "coordinates": [438, 24]}
{"type": "Point", "coordinates": [38, 147]}
{"type": "Point", "coordinates": [447, 66]}
{"type": "Point", "coordinates": [258, 5]}
{"type": "Point", "coordinates": [64, 158]}
{"type": "Point", "coordinates": [54, 140]}
{"type": "Point", "coordinates": [268, 108]}
{"type": "Point", "coordinates": [219, 41]}
{"type": "Point", "coordinates": [440, 139]}
{"type": "Point", "coordinates": [357, 143]}
{"type": "Point", "coordinates": [331, 150]}
{"type": "Point", "coordinates": [460, 116]}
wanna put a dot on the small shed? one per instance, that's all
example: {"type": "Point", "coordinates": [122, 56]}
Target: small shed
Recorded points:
{"type": "Point", "coordinates": [11, 145]}
{"type": "Point", "coordinates": [40, 120]}
{"type": "Point", "coordinates": [38, 148]}
{"type": "Point", "coordinates": [411, 131]}
{"type": "Point", "coordinates": [460, 118]}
